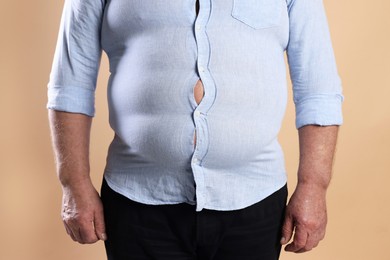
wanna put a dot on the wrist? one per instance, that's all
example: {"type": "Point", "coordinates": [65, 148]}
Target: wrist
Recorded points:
{"type": "Point", "coordinates": [313, 185]}
{"type": "Point", "coordinates": [317, 177]}
{"type": "Point", "coordinates": [75, 180]}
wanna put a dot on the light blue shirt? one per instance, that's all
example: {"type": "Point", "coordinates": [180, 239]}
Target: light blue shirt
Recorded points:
{"type": "Point", "coordinates": [157, 51]}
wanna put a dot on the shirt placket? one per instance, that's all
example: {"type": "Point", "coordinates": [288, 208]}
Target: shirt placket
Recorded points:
{"type": "Point", "coordinates": [200, 112]}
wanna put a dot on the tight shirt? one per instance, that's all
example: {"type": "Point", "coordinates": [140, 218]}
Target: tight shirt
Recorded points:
{"type": "Point", "coordinates": [157, 51]}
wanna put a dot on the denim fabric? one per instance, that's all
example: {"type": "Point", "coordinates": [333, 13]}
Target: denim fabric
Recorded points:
{"type": "Point", "coordinates": [157, 51]}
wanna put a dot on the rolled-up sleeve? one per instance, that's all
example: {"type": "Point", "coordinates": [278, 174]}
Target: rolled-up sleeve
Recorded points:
{"type": "Point", "coordinates": [77, 57]}
{"type": "Point", "coordinates": [317, 88]}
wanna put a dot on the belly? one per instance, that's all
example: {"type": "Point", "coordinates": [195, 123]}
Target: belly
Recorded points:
{"type": "Point", "coordinates": [198, 95]}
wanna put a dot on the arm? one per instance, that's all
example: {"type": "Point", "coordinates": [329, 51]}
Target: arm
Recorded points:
{"type": "Point", "coordinates": [318, 98]}
{"type": "Point", "coordinates": [71, 89]}
{"type": "Point", "coordinates": [82, 210]}
{"type": "Point", "coordinates": [306, 210]}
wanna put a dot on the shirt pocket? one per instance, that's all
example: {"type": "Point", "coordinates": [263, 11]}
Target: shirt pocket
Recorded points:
{"type": "Point", "coordinates": [258, 14]}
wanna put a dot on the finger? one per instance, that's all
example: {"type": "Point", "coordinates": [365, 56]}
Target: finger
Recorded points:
{"type": "Point", "coordinates": [67, 229]}
{"type": "Point", "coordinates": [69, 232]}
{"type": "Point", "coordinates": [322, 234]}
{"type": "Point", "coordinates": [75, 226]}
{"type": "Point", "coordinates": [312, 241]}
{"type": "Point", "coordinates": [310, 244]}
{"type": "Point", "coordinates": [316, 244]}
{"type": "Point", "coordinates": [303, 250]}
{"type": "Point", "coordinates": [100, 229]}
{"type": "Point", "coordinates": [299, 241]}
{"type": "Point", "coordinates": [75, 231]}
{"type": "Point", "coordinates": [87, 233]}
{"type": "Point", "coordinates": [287, 229]}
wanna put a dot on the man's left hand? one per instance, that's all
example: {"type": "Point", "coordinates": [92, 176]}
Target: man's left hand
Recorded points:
{"type": "Point", "coordinates": [306, 213]}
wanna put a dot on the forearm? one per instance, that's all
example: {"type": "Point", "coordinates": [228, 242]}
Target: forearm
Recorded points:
{"type": "Point", "coordinates": [317, 146]}
{"type": "Point", "coordinates": [70, 138]}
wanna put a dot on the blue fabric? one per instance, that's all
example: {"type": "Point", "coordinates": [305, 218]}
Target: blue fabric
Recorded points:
{"type": "Point", "coordinates": [157, 51]}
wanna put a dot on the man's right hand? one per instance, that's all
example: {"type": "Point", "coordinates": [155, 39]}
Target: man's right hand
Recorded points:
{"type": "Point", "coordinates": [82, 209]}
{"type": "Point", "coordinates": [82, 213]}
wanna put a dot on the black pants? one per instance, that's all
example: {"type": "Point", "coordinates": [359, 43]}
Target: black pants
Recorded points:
{"type": "Point", "coordinates": [173, 232]}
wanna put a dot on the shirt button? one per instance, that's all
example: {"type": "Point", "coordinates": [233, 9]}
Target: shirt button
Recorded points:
{"type": "Point", "coordinates": [201, 68]}
{"type": "Point", "coordinates": [197, 113]}
{"type": "Point", "coordinates": [198, 27]}
{"type": "Point", "coordinates": [195, 160]}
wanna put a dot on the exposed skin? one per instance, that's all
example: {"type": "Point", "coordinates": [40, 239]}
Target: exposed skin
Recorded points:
{"type": "Point", "coordinates": [306, 211]}
{"type": "Point", "coordinates": [82, 210]}
{"type": "Point", "coordinates": [198, 95]}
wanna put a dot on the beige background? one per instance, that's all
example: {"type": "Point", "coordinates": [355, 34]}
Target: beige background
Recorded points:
{"type": "Point", "coordinates": [359, 212]}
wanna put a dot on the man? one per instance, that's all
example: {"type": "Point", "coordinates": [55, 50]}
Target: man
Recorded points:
{"type": "Point", "coordinates": [196, 96]}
